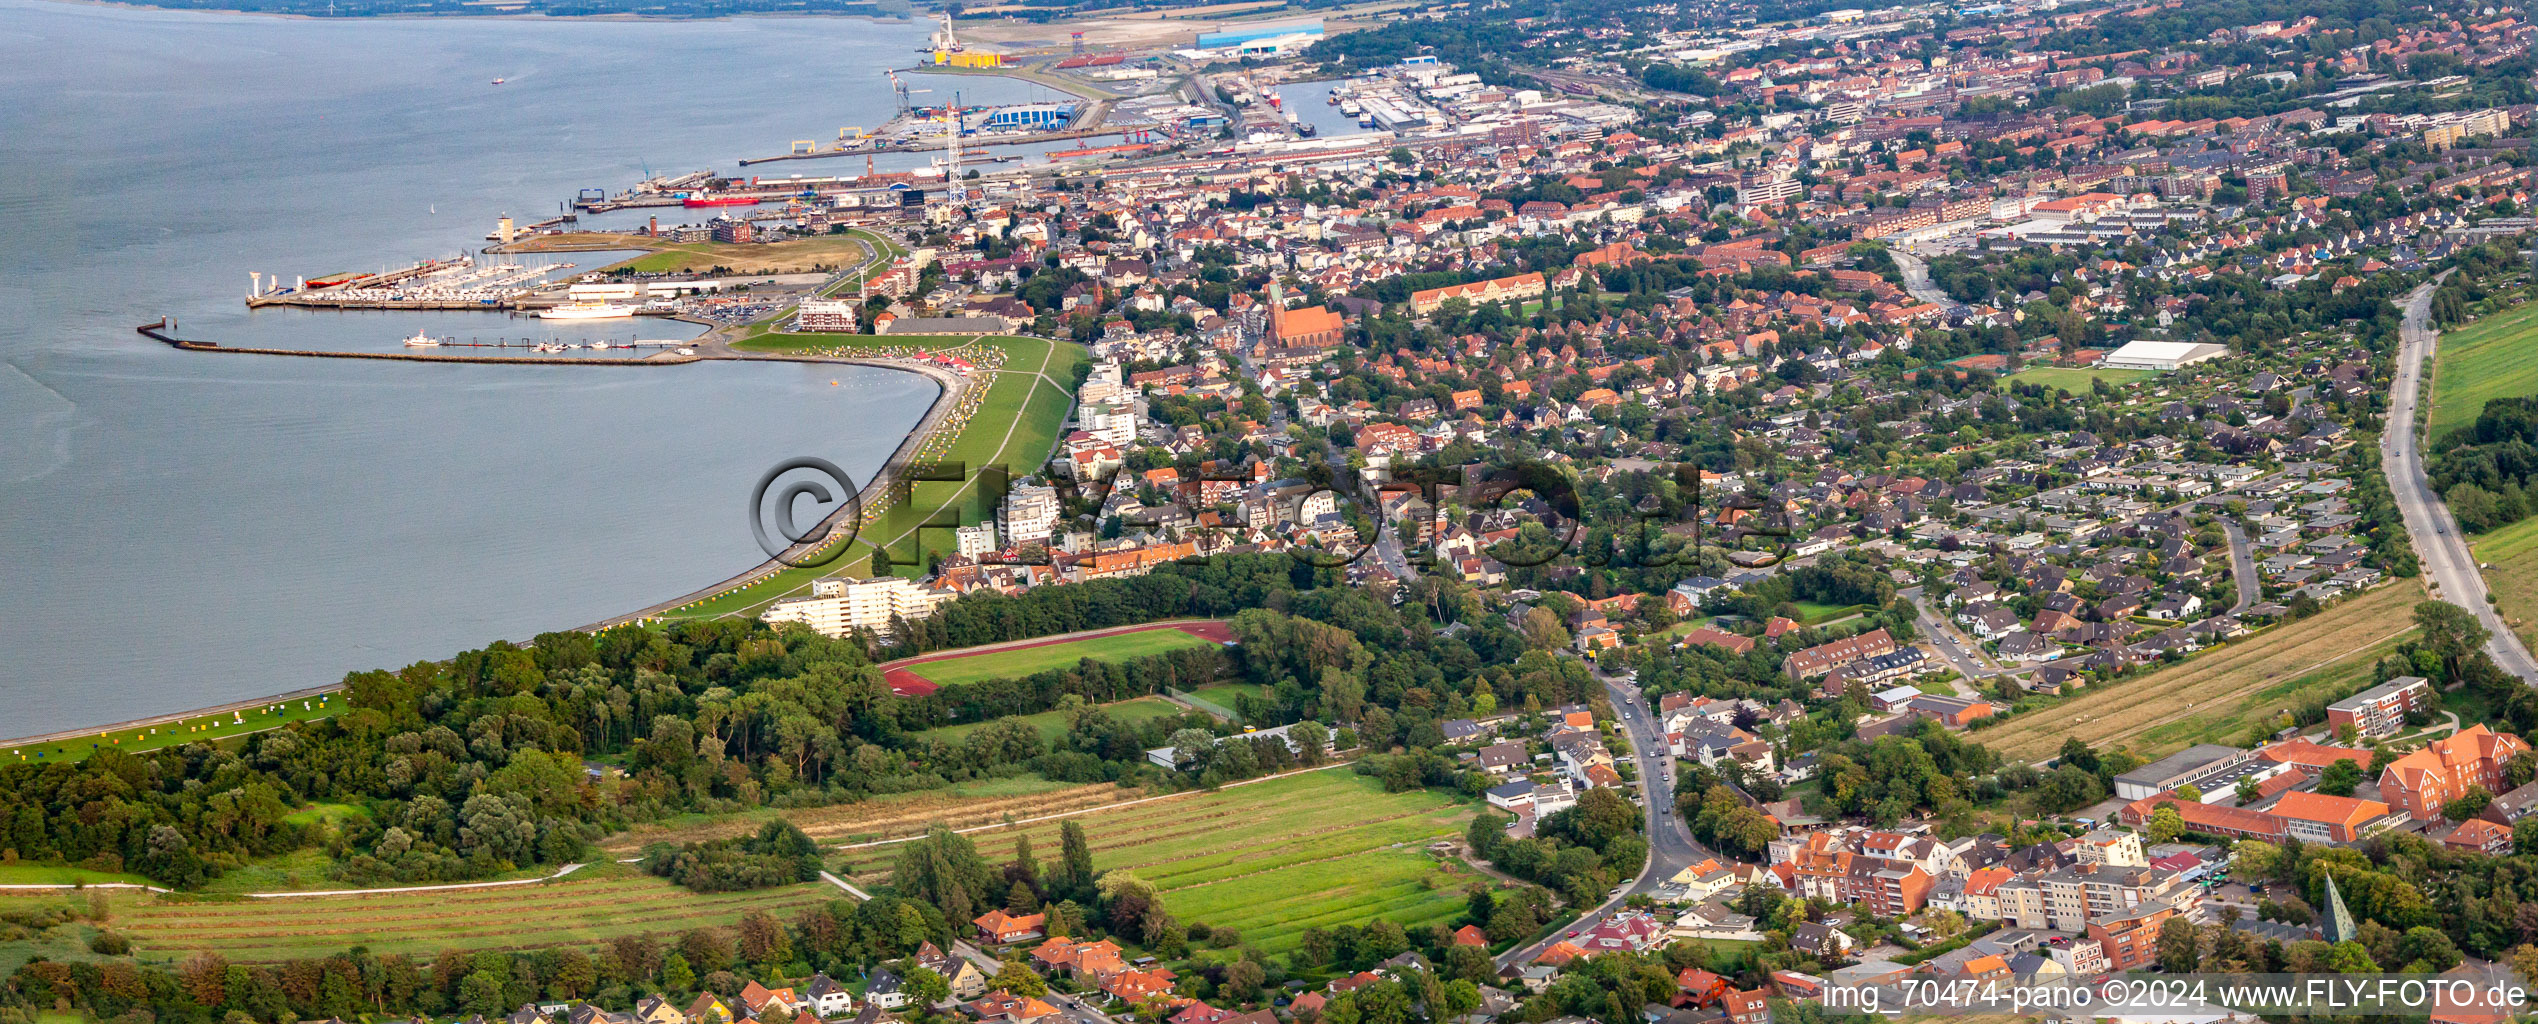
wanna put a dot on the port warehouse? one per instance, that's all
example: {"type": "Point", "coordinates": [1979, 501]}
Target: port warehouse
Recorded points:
{"type": "Point", "coordinates": [1264, 38]}
{"type": "Point", "coordinates": [1050, 115]}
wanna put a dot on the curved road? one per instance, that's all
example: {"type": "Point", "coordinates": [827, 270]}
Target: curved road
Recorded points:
{"type": "Point", "coordinates": [2447, 562]}
{"type": "Point", "coordinates": [1671, 847]}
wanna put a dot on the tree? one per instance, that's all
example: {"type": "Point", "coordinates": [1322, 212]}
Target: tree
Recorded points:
{"type": "Point", "coordinates": [1020, 980]}
{"type": "Point", "coordinates": [1075, 854]}
{"type": "Point", "coordinates": [2449, 631]}
{"type": "Point", "coordinates": [2190, 793]}
{"type": "Point", "coordinates": [1242, 980]}
{"type": "Point", "coordinates": [925, 987]}
{"type": "Point", "coordinates": [2179, 946]}
{"type": "Point", "coordinates": [2468, 804]}
{"type": "Point", "coordinates": [2340, 778]}
{"type": "Point", "coordinates": [2165, 824]}
{"type": "Point", "coordinates": [2069, 788]}
{"type": "Point", "coordinates": [2254, 859]}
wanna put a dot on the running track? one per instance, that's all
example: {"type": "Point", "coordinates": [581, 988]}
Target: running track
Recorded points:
{"type": "Point", "coordinates": [905, 681]}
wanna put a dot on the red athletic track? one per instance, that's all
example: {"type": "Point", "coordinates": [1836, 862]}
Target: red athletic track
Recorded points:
{"type": "Point", "coordinates": [907, 683]}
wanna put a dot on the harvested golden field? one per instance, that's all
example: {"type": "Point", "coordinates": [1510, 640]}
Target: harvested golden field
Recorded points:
{"type": "Point", "coordinates": [2121, 713]}
{"type": "Point", "coordinates": [891, 817]}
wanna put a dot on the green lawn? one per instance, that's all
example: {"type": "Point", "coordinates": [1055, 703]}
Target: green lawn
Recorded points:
{"type": "Point", "coordinates": [2075, 379]}
{"type": "Point", "coordinates": [1272, 858]}
{"type": "Point", "coordinates": [1015, 426]}
{"type": "Point", "coordinates": [2491, 358]}
{"type": "Point", "coordinates": [2513, 551]}
{"type": "Point", "coordinates": [54, 874]}
{"type": "Point", "coordinates": [1052, 724]}
{"type": "Point", "coordinates": [1227, 693]}
{"type": "Point", "coordinates": [1019, 662]}
{"type": "Point", "coordinates": [1813, 614]}
{"type": "Point", "coordinates": [208, 728]}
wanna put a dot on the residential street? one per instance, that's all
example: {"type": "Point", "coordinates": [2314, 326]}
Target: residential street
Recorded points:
{"type": "Point", "coordinates": [1670, 844]}
{"type": "Point", "coordinates": [1075, 1010]}
{"type": "Point", "coordinates": [1957, 649]}
{"type": "Point", "coordinates": [2242, 566]}
{"type": "Point", "coordinates": [2447, 563]}
{"type": "Point", "coordinates": [1916, 275]}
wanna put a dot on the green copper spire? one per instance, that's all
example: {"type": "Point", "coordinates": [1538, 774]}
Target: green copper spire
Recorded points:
{"type": "Point", "coordinates": [2338, 922]}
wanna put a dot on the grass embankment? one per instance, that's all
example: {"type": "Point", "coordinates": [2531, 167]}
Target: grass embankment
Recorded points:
{"type": "Point", "coordinates": [2513, 553]}
{"type": "Point", "coordinates": [2078, 380]}
{"type": "Point", "coordinates": [1015, 425]}
{"type": "Point", "coordinates": [793, 256]}
{"type": "Point", "coordinates": [1271, 859]}
{"type": "Point", "coordinates": [1052, 724]}
{"type": "Point", "coordinates": [226, 725]}
{"type": "Point", "coordinates": [2492, 358]}
{"type": "Point", "coordinates": [2219, 690]}
{"type": "Point", "coordinates": [597, 903]}
{"type": "Point", "coordinates": [1018, 662]}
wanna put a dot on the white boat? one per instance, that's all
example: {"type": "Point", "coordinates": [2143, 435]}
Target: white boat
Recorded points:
{"type": "Point", "coordinates": [422, 340]}
{"type": "Point", "coordinates": [589, 311]}
{"type": "Point", "coordinates": [597, 345]}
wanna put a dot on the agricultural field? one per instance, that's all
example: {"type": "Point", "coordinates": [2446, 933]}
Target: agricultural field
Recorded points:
{"type": "Point", "coordinates": [1052, 724]}
{"type": "Point", "coordinates": [1017, 661]}
{"type": "Point", "coordinates": [2491, 358]}
{"type": "Point", "coordinates": [1015, 425]}
{"type": "Point", "coordinates": [594, 904]}
{"type": "Point", "coordinates": [2513, 553]}
{"type": "Point", "coordinates": [1271, 858]}
{"type": "Point", "coordinates": [890, 816]}
{"type": "Point", "coordinates": [208, 727]}
{"type": "Point", "coordinates": [2075, 379]}
{"type": "Point", "coordinates": [2231, 686]}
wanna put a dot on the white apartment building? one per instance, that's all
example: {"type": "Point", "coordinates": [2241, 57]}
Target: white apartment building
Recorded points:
{"type": "Point", "coordinates": [839, 606]}
{"type": "Point", "coordinates": [1115, 423]}
{"type": "Point", "coordinates": [827, 315]}
{"type": "Point", "coordinates": [1029, 515]}
{"type": "Point", "coordinates": [975, 540]}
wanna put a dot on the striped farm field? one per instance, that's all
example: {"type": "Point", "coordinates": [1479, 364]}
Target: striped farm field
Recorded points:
{"type": "Point", "coordinates": [594, 904]}
{"type": "Point", "coordinates": [1314, 849]}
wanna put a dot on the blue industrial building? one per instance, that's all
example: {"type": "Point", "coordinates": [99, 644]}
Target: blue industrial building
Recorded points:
{"type": "Point", "coordinates": [1046, 116]}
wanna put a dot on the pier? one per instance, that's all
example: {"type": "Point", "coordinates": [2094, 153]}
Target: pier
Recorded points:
{"type": "Point", "coordinates": [158, 332]}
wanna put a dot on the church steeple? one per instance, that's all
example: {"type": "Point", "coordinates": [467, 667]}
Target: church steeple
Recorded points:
{"type": "Point", "coordinates": [2337, 922]}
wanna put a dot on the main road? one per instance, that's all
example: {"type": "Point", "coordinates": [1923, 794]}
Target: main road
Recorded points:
{"type": "Point", "coordinates": [1671, 847]}
{"type": "Point", "coordinates": [2447, 562]}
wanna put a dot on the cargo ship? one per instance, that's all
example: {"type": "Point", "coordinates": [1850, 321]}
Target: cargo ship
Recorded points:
{"type": "Point", "coordinates": [589, 311]}
{"type": "Point", "coordinates": [720, 201]}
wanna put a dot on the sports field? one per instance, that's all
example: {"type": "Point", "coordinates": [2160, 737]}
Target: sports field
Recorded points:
{"type": "Point", "coordinates": [2075, 379]}
{"type": "Point", "coordinates": [1272, 858]}
{"type": "Point", "coordinates": [1052, 724]}
{"type": "Point", "coordinates": [598, 902]}
{"type": "Point", "coordinates": [2491, 358]}
{"type": "Point", "coordinates": [2513, 553]}
{"type": "Point", "coordinates": [2165, 711]}
{"type": "Point", "coordinates": [1013, 423]}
